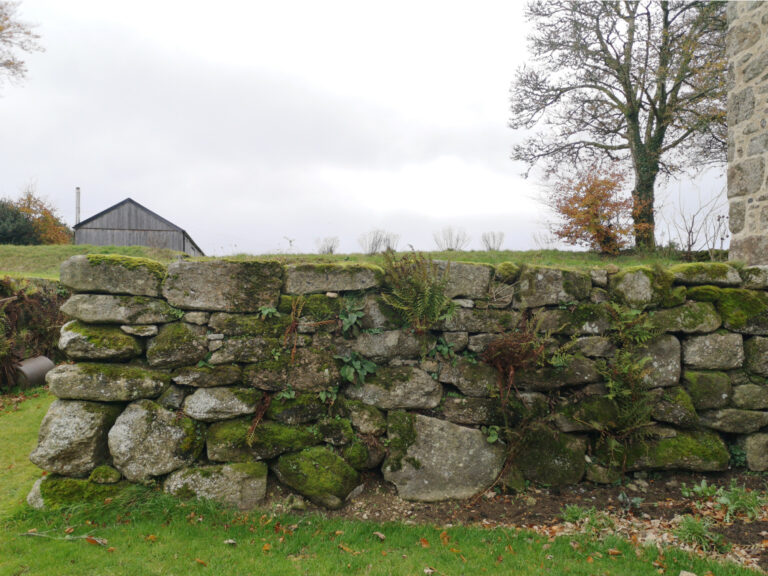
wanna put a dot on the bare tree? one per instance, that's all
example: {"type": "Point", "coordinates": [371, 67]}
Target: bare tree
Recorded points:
{"type": "Point", "coordinates": [327, 245]}
{"type": "Point", "coordinates": [699, 228]}
{"type": "Point", "coordinates": [451, 239]}
{"type": "Point", "coordinates": [377, 241]}
{"type": "Point", "coordinates": [492, 241]}
{"type": "Point", "coordinates": [641, 82]}
{"type": "Point", "coordinates": [15, 37]}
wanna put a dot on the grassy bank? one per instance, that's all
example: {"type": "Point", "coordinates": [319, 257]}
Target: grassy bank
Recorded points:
{"type": "Point", "coordinates": [44, 261]}
{"type": "Point", "coordinates": [146, 532]}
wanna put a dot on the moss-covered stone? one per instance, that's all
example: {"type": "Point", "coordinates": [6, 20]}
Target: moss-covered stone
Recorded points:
{"type": "Point", "coordinates": [208, 376]}
{"type": "Point", "coordinates": [593, 413]}
{"type": "Point", "coordinates": [336, 431]}
{"type": "Point", "coordinates": [696, 450]}
{"type": "Point", "coordinates": [112, 273]}
{"type": "Point", "coordinates": [583, 318]}
{"type": "Point", "coordinates": [744, 311]}
{"type": "Point", "coordinates": [707, 390]}
{"type": "Point", "coordinates": [240, 325]}
{"type": "Point", "coordinates": [704, 293]}
{"type": "Point", "coordinates": [550, 457]}
{"type": "Point", "coordinates": [301, 409]}
{"type": "Point", "coordinates": [356, 455]}
{"type": "Point", "coordinates": [60, 492]}
{"type": "Point", "coordinates": [228, 440]}
{"type": "Point", "coordinates": [365, 419]}
{"type": "Point", "coordinates": [155, 268]}
{"type": "Point", "coordinates": [177, 344]}
{"type": "Point", "coordinates": [699, 273]}
{"type": "Point", "coordinates": [106, 382]}
{"type": "Point", "coordinates": [313, 307]}
{"type": "Point", "coordinates": [690, 318]}
{"type": "Point", "coordinates": [401, 435]}
{"type": "Point", "coordinates": [507, 273]}
{"type": "Point", "coordinates": [95, 342]}
{"type": "Point", "coordinates": [642, 287]}
{"type": "Point", "coordinates": [541, 286]}
{"type": "Point", "coordinates": [311, 369]}
{"type": "Point", "coordinates": [334, 277]}
{"type": "Point", "coordinates": [319, 474]}
{"type": "Point", "coordinates": [105, 474]}
{"type": "Point", "coordinates": [675, 407]}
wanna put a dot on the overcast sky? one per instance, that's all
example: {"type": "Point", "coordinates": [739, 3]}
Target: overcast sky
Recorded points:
{"type": "Point", "coordinates": [265, 126]}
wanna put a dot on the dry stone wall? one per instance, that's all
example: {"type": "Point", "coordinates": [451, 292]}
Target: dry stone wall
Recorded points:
{"type": "Point", "coordinates": [205, 376]}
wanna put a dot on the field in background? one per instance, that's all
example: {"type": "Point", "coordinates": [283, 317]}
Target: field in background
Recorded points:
{"type": "Point", "coordinates": [44, 261]}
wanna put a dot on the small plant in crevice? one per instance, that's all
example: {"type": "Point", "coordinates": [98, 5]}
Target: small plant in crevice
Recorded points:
{"type": "Point", "coordinates": [268, 312]}
{"type": "Point", "coordinates": [328, 395]}
{"type": "Point", "coordinates": [491, 433]}
{"type": "Point", "coordinates": [350, 316]}
{"type": "Point", "coordinates": [416, 289]}
{"type": "Point", "coordinates": [738, 456]}
{"type": "Point", "coordinates": [628, 503]}
{"type": "Point", "coordinates": [287, 393]}
{"type": "Point", "coordinates": [356, 367]}
{"type": "Point", "coordinates": [444, 350]}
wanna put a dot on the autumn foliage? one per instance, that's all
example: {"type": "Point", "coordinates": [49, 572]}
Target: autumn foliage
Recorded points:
{"type": "Point", "coordinates": [593, 210]}
{"type": "Point", "coordinates": [49, 228]}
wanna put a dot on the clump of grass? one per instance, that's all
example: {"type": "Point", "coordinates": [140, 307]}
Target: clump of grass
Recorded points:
{"type": "Point", "coordinates": [698, 532]}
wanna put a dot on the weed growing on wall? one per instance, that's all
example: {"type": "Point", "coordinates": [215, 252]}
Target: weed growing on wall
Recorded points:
{"type": "Point", "coordinates": [416, 290]}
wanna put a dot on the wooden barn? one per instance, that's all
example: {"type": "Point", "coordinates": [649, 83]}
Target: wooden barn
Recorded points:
{"type": "Point", "coordinates": [128, 223]}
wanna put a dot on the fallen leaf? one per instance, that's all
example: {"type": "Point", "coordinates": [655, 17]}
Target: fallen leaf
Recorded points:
{"type": "Point", "coordinates": [380, 536]}
{"type": "Point", "coordinates": [614, 552]}
{"type": "Point", "coordinates": [231, 542]}
{"type": "Point", "coordinates": [429, 570]}
{"type": "Point", "coordinates": [424, 542]}
{"type": "Point", "coordinates": [590, 560]}
{"type": "Point", "coordinates": [111, 549]}
{"type": "Point", "coordinates": [69, 530]}
{"type": "Point", "coordinates": [348, 550]}
{"type": "Point", "coordinates": [201, 562]}
{"type": "Point", "coordinates": [444, 538]}
{"type": "Point", "coordinates": [96, 541]}
{"type": "Point", "coordinates": [151, 538]}
{"type": "Point", "coordinates": [267, 547]}
{"type": "Point", "coordinates": [31, 530]}
{"type": "Point", "coordinates": [107, 500]}
{"type": "Point", "coordinates": [338, 532]}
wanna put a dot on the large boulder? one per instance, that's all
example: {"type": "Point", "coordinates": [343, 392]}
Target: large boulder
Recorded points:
{"type": "Point", "coordinates": [177, 344]}
{"type": "Point", "coordinates": [113, 274]}
{"type": "Point", "coordinates": [540, 286]}
{"type": "Point", "coordinates": [341, 277]}
{"type": "Point", "coordinates": [114, 309]}
{"type": "Point", "coordinates": [221, 403]}
{"type": "Point", "coordinates": [72, 439]}
{"type": "Point", "coordinates": [437, 460]}
{"type": "Point", "coordinates": [398, 387]}
{"type": "Point", "coordinates": [105, 382]}
{"type": "Point", "coordinates": [713, 351]}
{"type": "Point", "coordinates": [223, 285]}
{"type": "Point", "coordinates": [147, 440]}
{"type": "Point", "coordinates": [241, 485]}
{"type": "Point", "coordinates": [95, 342]}
{"type": "Point", "coordinates": [238, 441]}
{"type": "Point", "coordinates": [319, 474]}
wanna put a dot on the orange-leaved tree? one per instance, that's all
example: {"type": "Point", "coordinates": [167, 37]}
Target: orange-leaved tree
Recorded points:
{"type": "Point", "coordinates": [49, 228]}
{"type": "Point", "coordinates": [594, 210]}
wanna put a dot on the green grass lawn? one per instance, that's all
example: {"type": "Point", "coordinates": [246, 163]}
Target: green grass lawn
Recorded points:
{"type": "Point", "coordinates": [44, 261]}
{"type": "Point", "coordinates": [144, 532]}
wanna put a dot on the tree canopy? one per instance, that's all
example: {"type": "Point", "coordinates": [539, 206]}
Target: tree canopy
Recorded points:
{"type": "Point", "coordinates": [15, 37]}
{"type": "Point", "coordinates": [638, 82]}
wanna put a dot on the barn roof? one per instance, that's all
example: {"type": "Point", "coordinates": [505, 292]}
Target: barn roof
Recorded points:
{"type": "Point", "coordinates": [141, 207]}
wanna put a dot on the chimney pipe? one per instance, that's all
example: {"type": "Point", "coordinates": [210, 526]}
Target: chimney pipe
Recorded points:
{"type": "Point", "coordinates": [77, 205]}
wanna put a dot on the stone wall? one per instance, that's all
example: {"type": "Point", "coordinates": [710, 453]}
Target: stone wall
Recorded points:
{"type": "Point", "coordinates": [747, 135]}
{"type": "Point", "coordinates": [205, 375]}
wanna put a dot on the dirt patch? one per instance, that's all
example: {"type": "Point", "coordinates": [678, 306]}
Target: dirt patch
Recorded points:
{"type": "Point", "coordinates": [646, 508]}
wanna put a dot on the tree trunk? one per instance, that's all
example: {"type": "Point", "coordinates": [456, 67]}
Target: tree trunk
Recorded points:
{"type": "Point", "coordinates": [642, 212]}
